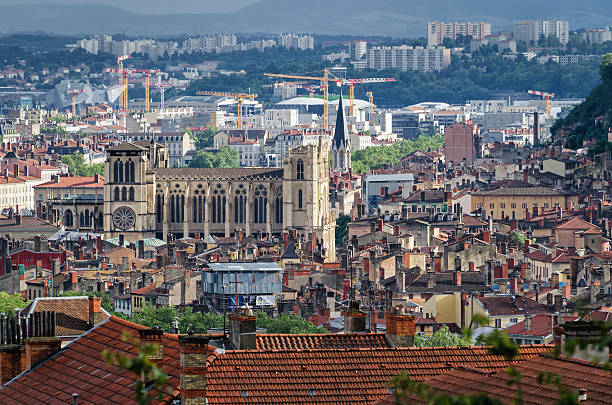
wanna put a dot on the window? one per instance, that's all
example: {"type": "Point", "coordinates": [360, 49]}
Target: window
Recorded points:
{"type": "Point", "coordinates": [116, 193]}
{"type": "Point", "coordinates": [131, 193]}
{"type": "Point", "coordinates": [300, 169]}
{"type": "Point", "coordinates": [498, 323]}
{"type": "Point", "coordinates": [513, 205]}
{"type": "Point", "coordinates": [525, 205]}
{"type": "Point", "coordinates": [300, 199]}
{"type": "Point", "coordinates": [124, 194]}
{"type": "Point", "coordinates": [491, 205]}
{"type": "Point", "coordinates": [513, 320]}
{"type": "Point", "coordinates": [502, 205]}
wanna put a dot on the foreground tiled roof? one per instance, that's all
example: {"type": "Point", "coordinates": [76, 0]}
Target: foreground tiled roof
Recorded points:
{"type": "Point", "coordinates": [320, 341]}
{"type": "Point", "coordinates": [72, 313]}
{"type": "Point", "coordinates": [79, 368]}
{"type": "Point", "coordinates": [344, 376]}
{"type": "Point", "coordinates": [575, 375]}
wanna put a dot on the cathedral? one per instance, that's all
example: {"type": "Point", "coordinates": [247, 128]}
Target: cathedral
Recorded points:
{"type": "Point", "coordinates": [145, 198]}
{"type": "Point", "coordinates": [341, 143]}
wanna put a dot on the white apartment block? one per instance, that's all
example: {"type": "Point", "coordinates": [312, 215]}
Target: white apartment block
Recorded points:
{"type": "Point", "coordinates": [358, 50]}
{"type": "Point", "coordinates": [404, 57]}
{"type": "Point", "coordinates": [296, 41]}
{"type": "Point", "coordinates": [437, 31]}
{"type": "Point", "coordinates": [527, 31]}
{"type": "Point", "coordinates": [597, 36]}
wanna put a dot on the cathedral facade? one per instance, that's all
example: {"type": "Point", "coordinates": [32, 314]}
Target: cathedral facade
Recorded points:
{"type": "Point", "coordinates": [145, 198]}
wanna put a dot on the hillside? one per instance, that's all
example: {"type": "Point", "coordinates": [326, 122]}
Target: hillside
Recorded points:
{"type": "Point", "coordinates": [400, 18]}
{"type": "Point", "coordinates": [580, 124]}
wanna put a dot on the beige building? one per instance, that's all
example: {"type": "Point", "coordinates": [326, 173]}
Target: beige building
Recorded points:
{"type": "Point", "coordinates": [514, 202]}
{"type": "Point", "coordinates": [145, 198]}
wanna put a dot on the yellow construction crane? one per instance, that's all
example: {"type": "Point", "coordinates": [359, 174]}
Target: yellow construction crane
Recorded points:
{"type": "Point", "coordinates": [365, 80]}
{"type": "Point", "coordinates": [370, 107]}
{"type": "Point", "coordinates": [238, 96]}
{"type": "Point", "coordinates": [123, 99]}
{"type": "Point", "coordinates": [325, 84]}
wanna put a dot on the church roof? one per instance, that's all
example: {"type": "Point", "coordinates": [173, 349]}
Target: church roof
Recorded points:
{"type": "Point", "coordinates": [220, 173]}
{"type": "Point", "coordinates": [340, 131]}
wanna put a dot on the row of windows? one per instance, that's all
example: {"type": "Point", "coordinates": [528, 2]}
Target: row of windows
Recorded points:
{"type": "Point", "coordinates": [218, 214]}
{"type": "Point", "coordinates": [124, 194]}
{"type": "Point", "coordinates": [85, 219]}
{"type": "Point", "coordinates": [124, 173]}
{"type": "Point", "coordinates": [513, 205]}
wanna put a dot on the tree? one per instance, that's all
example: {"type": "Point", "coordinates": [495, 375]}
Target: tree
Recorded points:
{"type": "Point", "coordinates": [287, 324]}
{"type": "Point", "coordinates": [442, 338]}
{"type": "Point", "coordinates": [11, 302]}
{"type": "Point", "coordinates": [516, 239]}
{"type": "Point", "coordinates": [162, 317]}
{"type": "Point", "coordinates": [77, 166]}
{"type": "Point", "coordinates": [342, 229]}
{"type": "Point", "coordinates": [605, 69]}
{"type": "Point", "coordinates": [224, 157]}
{"type": "Point", "coordinates": [204, 139]}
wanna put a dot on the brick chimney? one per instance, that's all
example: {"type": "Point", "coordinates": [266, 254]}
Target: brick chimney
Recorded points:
{"type": "Point", "coordinates": [457, 278]}
{"type": "Point", "coordinates": [528, 322]}
{"type": "Point", "coordinates": [354, 318]}
{"type": "Point", "coordinates": [193, 350]}
{"type": "Point", "coordinates": [400, 328]}
{"type": "Point", "coordinates": [242, 329]}
{"type": "Point", "coordinates": [153, 337]}
{"type": "Point", "coordinates": [95, 311]}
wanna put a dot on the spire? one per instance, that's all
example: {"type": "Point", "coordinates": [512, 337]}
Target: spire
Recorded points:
{"type": "Point", "coordinates": [340, 131]}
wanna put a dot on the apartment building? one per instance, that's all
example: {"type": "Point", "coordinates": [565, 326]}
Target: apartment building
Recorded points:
{"type": "Point", "coordinates": [296, 41]}
{"type": "Point", "coordinates": [358, 50]}
{"type": "Point", "coordinates": [437, 31]}
{"type": "Point", "coordinates": [597, 36]}
{"type": "Point", "coordinates": [404, 57]}
{"type": "Point", "coordinates": [527, 31]}
{"type": "Point", "coordinates": [461, 142]}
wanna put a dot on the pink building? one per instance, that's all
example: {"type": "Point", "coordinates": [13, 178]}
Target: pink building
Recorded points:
{"type": "Point", "coordinates": [461, 142]}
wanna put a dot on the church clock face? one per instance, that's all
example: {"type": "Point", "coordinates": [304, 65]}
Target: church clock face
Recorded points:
{"type": "Point", "coordinates": [124, 218]}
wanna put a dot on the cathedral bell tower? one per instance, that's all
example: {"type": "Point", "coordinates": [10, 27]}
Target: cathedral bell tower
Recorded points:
{"type": "Point", "coordinates": [341, 144]}
{"type": "Point", "coordinates": [128, 193]}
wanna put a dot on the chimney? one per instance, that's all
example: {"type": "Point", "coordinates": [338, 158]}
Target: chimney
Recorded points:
{"type": "Point", "coordinates": [380, 224]}
{"type": "Point", "coordinates": [141, 249]}
{"type": "Point", "coordinates": [400, 328]}
{"type": "Point", "coordinates": [43, 343]}
{"type": "Point", "coordinates": [242, 329]}
{"type": "Point", "coordinates": [594, 291]}
{"type": "Point", "coordinates": [457, 278]}
{"type": "Point", "coordinates": [193, 350]}
{"type": "Point", "coordinates": [95, 311]}
{"type": "Point", "coordinates": [566, 291]}
{"type": "Point", "coordinates": [96, 178]}
{"type": "Point", "coordinates": [588, 336]}
{"type": "Point", "coordinates": [528, 318]}
{"type": "Point", "coordinates": [153, 337]}
{"type": "Point", "coordinates": [354, 319]}
{"type": "Point", "coordinates": [17, 219]}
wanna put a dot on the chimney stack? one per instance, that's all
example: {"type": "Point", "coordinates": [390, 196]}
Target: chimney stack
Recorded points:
{"type": "Point", "coordinates": [153, 337]}
{"type": "Point", "coordinates": [95, 311]}
{"type": "Point", "coordinates": [243, 330]}
{"type": "Point", "coordinates": [354, 318]}
{"type": "Point", "coordinates": [193, 349]}
{"type": "Point", "coordinates": [400, 328]}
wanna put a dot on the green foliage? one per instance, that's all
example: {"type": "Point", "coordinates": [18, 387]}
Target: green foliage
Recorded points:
{"type": "Point", "coordinates": [204, 139]}
{"type": "Point", "coordinates": [605, 69]}
{"type": "Point", "coordinates": [148, 373]}
{"type": "Point", "coordinates": [224, 157]}
{"type": "Point", "coordinates": [375, 157]}
{"type": "Point", "coordinates": [197, 322]}
{"type": "Point", "coordinates": [442, 338]}
{"type": "Point", "coordinates": [11, 302]}
{"type": "Point", "coordinates": [287, 324]}
{"type": "Point", "coordinates": [77, 166]}
{"type": "Point", "coordinates": [516, 239]}
{"type": "Point", "coordinates": [342, 229]}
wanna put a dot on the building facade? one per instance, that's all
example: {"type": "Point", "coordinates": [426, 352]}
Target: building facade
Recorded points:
{"type": "Point", "coordinates": [144, 197]}
{"type": "Point", "coordinates": [461, 142]}
{"type": "Point", "coordinates": [527, 31]}
{"type": "Point", "coordinates": [437, 31]}
{"type": "Point", "coordinates": [404, 57]}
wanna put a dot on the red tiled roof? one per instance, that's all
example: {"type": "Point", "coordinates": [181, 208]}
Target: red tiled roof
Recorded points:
{"type": "Point", "coordinates": [505, 305]}
{"type": "Point", "coordinates": [144, 290]}
{"type": "Point", "coordinates": [575, 375]}
{"type": "Point", "coordinates": [72, 313]}
{"type": "Point", "coordinates": [84, 182]}
{"type": "Point", "coordinates": [341, 376]}
{"type": "Point", "coordinates": [540, 326]}
{"type": "Point", "coordinates": [320, 341]}
{"type": "Point", "coordinates": [577, 224]}
{"type": "Point", "coordinates": [79, 368]}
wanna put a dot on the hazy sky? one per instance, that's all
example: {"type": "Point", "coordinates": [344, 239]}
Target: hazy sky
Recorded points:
{"type": "Point", "coordinates": [152, 6]}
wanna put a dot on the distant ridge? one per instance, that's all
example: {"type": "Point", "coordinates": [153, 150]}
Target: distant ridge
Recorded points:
{"type": "Point", "coordinates": [398, 18]}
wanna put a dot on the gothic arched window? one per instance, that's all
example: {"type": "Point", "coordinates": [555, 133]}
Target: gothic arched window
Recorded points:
{"type": "Point", "coordinates": [120, 172]}
{"type": "Point", "coordinates": [300, 169]}
{"type": "Point", "coordinates": [260, 206]}
{"type": "Point", "coordinates": [132, 194]}
{"type": "Point", "coordinates": [124, 194]}
{"type": "Point", "coordinates": [300, 198]}
{"type": "Point", "coordinates": [116, 171]}
{"type": "Point", "coordinates": [172, 209]}
{"type": "Point", "coordinates": [116, 192]}
{"type": "Point", "coordinates": [279, 209]}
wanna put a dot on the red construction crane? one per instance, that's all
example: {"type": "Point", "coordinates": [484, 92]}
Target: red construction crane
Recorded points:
{"type": "Point", "coordinates": [546, 96]}
{"type": "Point", "coordinates": [123, 80]}
{"type": "Point", "coordinates": [74, 93]}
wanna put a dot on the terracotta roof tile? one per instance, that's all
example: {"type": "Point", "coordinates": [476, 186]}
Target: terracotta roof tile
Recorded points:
{"type": "Point", "coordinates": [320, 341]}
